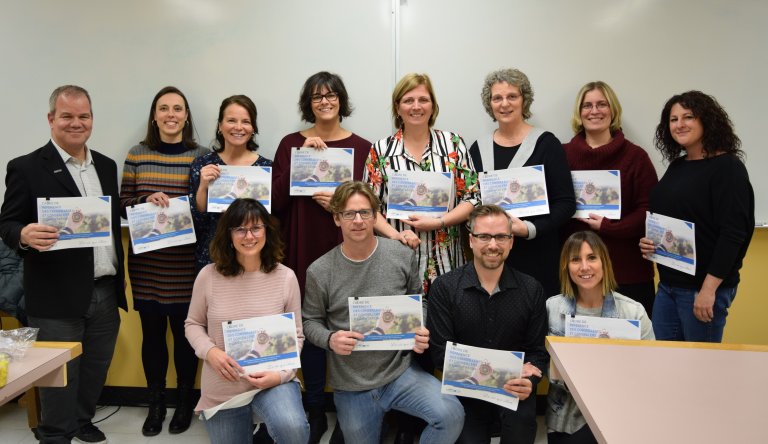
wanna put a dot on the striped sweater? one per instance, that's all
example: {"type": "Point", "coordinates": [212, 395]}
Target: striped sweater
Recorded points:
{"type": "Point", "coordinates": [161, 280]}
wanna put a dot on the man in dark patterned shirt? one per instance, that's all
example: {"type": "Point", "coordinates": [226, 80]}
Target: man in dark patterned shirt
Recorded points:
{"type": "Point", "coordinates": [488, 304]}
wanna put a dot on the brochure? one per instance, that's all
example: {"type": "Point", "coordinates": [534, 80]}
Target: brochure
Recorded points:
{"type": "Point", "coordinates": [595, 327]}
{"type": "Point", "coordinates": [83, 222]}
{"type": "Point", "coordinates": [153, 227]}
{"type": "Point", "coordinates": [263, 342]}
{"type": "Point", "coordinates": [675, 242]}
{"type": "Point", "coordinates": [387, 322]}
{"type": "Point", "coordinates": [235, 182]}
{"type": "Point", "coordinates": [597, 192]}
{"type": "Point", "coordinates": [315, 170]}
{"type": "Point", "coordinates": [520, 191]}
{"type": "Point", "coordinates": [422, 193]}
{"type": "Point", "coordinates": [480, 373]}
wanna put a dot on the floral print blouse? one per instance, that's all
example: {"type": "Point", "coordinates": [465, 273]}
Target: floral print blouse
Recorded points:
{"type": "Point", "coordinates": [440, 250]}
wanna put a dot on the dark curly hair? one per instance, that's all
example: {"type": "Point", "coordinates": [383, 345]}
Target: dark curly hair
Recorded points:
{"type": "Point", "coordinates": [249, 106]}
{"type": "Point", "coordinates": [719, 136]}
{"type": "Point", "coordinates": [152, 138]}
{"type": "Point", "coordinates": [241, 212]}
{"type": "Point", "coordinates": [313, 85]}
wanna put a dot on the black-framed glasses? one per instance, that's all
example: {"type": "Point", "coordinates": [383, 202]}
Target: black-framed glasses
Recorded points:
{"type": "Point", "coordinates": [255, 230]}
{"type": "Point", "coordinates": [329, 96]}
{"type": "Point", "coordinates": [484, 238]}
{"type": "Point", "coordinates": [351, 214]}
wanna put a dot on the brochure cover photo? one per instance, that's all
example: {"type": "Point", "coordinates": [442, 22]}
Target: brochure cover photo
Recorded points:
{"type": "Point", "coordinates": [263, 343]}
{"type": "Point", "coordinates": [480, 373]}
{"type": "Point", "coordinates": [675, 242]}
{"type": "Point", "coordinates": [83, 222]}
{"type": "Point", "coordinates": [520, 191]}
{"type": "Point", "coordinates": [423, 193]}
{"type": "Point", "coordinates": [606, 328]}
{"type": "Point", "coordinates": [319, 170]}
{"type": "Point", "coordinates": [235, 182]}
{"type": "Point", "coordinates": [597, 192]}
{"type": "Point", "coordinates": [153, 227]}
{"type": "Point", "coordinates": [386, 322]}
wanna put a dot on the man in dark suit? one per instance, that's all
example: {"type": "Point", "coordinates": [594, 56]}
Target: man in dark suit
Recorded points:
{"type": "Point", "coordinates": [71, 294]}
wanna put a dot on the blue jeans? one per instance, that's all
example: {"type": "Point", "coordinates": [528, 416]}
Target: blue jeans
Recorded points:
{"type": "Point", "coordinates": [673, 318]}
{"type": "Point", "coordinates": [279, 407]}
{"type": "Point", "coordinates": [416, 393]}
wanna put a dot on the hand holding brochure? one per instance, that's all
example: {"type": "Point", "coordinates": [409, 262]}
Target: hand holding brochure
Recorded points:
{"type": "Point", "coordinates": [595, 327]}
{"type": "Point", "coordinates": [597, 192]}
{"type": "Point", "coordinates": [236, 182]}
{"type": "Point", "coordinates": [320, 170]}
{"type": "Point", "coordinates": [263, 343]}
{"type": "Point", "coordinates": [387, 322]}
{"type": "Point", "coordinates": [419, 193]}
{"type": "Point", "coordinates": [520, 191]}
{"type": "Point", "coordinates": [153, 227]}
{"type": "Point", "coordinates": [83, 222]}
{"type": "Point", "coordinates": [481, 373]}
{"type": "Point", "coordinates": [675, 242]}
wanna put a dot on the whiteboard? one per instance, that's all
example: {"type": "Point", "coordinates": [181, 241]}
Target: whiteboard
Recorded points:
{"type": "Point", "coordinates": [123, 52]}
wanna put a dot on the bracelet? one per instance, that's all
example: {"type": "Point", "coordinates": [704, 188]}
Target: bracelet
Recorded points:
{"type": "Point", "coordinates": [442, 223]}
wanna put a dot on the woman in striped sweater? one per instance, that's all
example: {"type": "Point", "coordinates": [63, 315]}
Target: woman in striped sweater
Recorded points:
{"type": "Point", "coordinates": [155, 171]}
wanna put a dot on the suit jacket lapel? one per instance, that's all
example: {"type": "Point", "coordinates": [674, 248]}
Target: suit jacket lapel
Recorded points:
{"type": "Point", "coordinates": [54, 165]}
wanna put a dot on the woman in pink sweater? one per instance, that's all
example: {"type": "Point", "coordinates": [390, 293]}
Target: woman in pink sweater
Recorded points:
{"type": "Point", "coordinates": [245, 280]}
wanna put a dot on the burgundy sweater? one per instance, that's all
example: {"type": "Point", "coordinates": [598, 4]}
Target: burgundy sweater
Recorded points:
{"type": "Point", "coordinates": [638, 177]}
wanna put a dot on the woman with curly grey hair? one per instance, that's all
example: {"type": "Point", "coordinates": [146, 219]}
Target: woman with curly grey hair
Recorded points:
{"type": "Point", "coordinates": [507, 96]}
{"type": "Point", "coordinates": [707, 184]}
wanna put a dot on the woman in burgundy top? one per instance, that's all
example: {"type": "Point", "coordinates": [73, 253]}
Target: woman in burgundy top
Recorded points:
{"type": "Point", "coordinates": [307, 225]}
{"type": "Point", "coordinates": [599, 144]}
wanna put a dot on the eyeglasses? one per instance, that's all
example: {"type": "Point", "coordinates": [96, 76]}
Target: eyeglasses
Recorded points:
{"type": "Point", "coordinates": [350, 215]}
{"type": "Point", "coordinates": [602, 106]}
{"type": "Point", "coordinates": [485, 238]}
{"type": "Point", "coordinates": [331, 97]}
{"type": "Point", "coordinates": [510, 98]}
{"type": "Point", "coordinates": [255, 231]}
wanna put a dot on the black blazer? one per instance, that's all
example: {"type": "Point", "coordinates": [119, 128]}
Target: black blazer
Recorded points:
{"type": "Point", "coordinates": [57, 284]}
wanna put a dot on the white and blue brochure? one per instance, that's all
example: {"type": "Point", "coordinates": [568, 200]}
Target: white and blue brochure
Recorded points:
{"type": "Point", "coordinates": [480, 373]}
{"type": "Point", "coordinates": [675, 241]}
{"type": "Point", "coordinates": [314, 170]}
{"type": "Point", "coordinates": [596, 327]}
{"type": "Point", "coordinates": [597, 192]}
{"type": "Point", "coordinates": [519, 191]}
{"type": "Point", "coordinates": [153, 227]}
{"type": "Point", "coordinates": [263, 343]}
{"type": "Point", "coordinates": [386, 322]}
{"type": "Point", "coordinates": [235, 182]}
{"type": "Point", "coordinates": [419, 193]}
{"type": "Point", "coordinates": [83, 222]}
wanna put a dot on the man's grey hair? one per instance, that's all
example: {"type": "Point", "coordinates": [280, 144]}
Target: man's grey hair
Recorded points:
{"type": "Point", "coordinates": [67, 90]}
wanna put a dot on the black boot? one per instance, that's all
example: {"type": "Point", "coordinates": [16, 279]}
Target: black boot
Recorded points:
{"type": "Point", "coordinates": [182, 417]}
{"type": "Point", "coordinates": [318, 424]}
{"type": "Point", "coordinates": [156, 415]}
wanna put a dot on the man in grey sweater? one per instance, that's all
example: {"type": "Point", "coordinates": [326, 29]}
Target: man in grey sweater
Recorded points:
{"type": "Point", "coordinates": [367, 384]}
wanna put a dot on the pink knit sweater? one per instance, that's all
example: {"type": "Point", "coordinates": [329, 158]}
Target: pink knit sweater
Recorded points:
{"type": "Point", "coordinates": [216, 298]}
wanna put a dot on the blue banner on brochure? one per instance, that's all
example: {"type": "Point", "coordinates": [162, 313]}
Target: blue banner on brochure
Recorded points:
{"type": "Point", "coordinates": [314, 170]}
{"type": "Point", "coordinates": [481, 373]}
{"type": "Point", "coordinates": [235, 182]}
{"type": "Point", "coordinates": [263, 343]}
{"type": "Point", "coordinates": [597, 192]}
{"type": "Point", "coordinates": [82, 222]}
{"type": "Point", "coordinates": [519, 191]}
{"type": "Point", "coordinates": [597, 327]}
{"type": "Point", "coordinates": [153, 227]}
{"type": "Point", "coordinates": [386, 322]}
{"type": "Point", "coordinates": [675, 242]}
{"type": "Point", "coordinates": [419, 193]}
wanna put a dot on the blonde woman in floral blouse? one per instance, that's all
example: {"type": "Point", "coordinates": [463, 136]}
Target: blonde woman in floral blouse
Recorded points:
{"type": "Point", "coordinates": [417, 146]}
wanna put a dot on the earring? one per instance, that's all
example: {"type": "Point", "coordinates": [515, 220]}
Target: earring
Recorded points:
{"type": "Point", "coordinates": [154, 122]}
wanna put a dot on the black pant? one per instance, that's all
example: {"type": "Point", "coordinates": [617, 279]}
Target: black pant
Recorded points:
{"type": "Point", "coordinates": [643, 293]}
{"type": "Point", "coordinates": [313, 372]}
{"type": "Point", "coordinates": [581, 436]}
{"type": "Point", "coordinates": [154, 349]}
{"type": "Point", "coordinates": [65, 409]}
{"type": "Point", "coordinates": [516, 426]}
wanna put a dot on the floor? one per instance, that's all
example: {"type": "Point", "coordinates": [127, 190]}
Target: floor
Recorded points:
{"type": "Point", "coordinates": [122, 426]}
